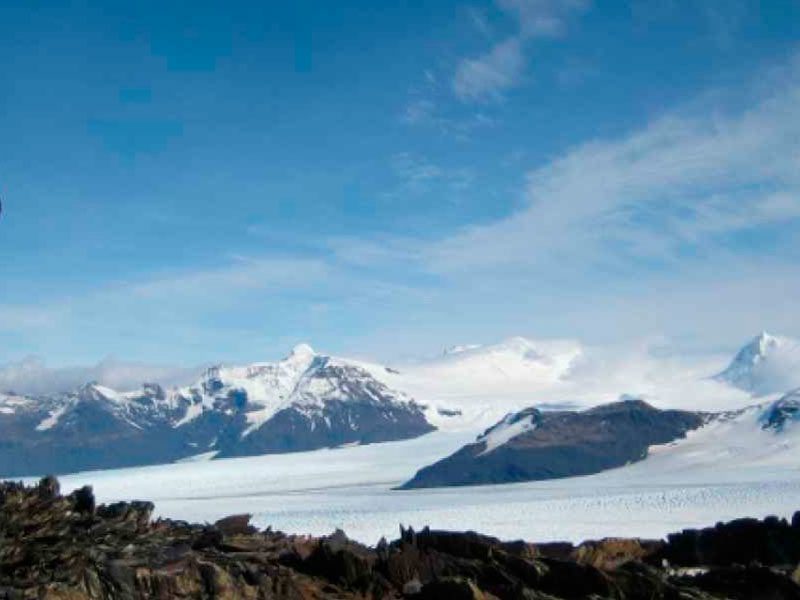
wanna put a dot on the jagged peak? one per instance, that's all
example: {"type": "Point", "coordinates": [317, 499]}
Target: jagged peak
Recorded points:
{"type": "Point", "coordinates": [763, 342]}
{"type": "Point", "coordinates": [756, 350]}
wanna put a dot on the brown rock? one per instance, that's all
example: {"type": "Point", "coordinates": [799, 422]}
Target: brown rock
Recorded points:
{"type": "Point", "coordinates": [235, 524]}
{"type": "Point", "coordinates": [610, 553]}
{"type": "Point", "coordinates": [452, 588]}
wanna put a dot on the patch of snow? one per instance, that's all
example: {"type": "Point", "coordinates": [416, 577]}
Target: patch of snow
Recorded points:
{"type": "Point", "coordinates": [52, 419]}
{"type": "Point", "coordinates": [192, 412]}
{"type": "Point", "coordinates": [505, 431]}
{"type": "Point", "coordinates": [110, 394]}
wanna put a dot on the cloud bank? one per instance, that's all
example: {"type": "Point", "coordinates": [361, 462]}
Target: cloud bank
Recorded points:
{"type": "Point", "coordinates": [33, 376]}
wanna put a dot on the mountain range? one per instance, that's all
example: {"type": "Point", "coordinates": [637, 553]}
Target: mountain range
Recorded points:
{"type": "Point", "coordinates": [309, 400]}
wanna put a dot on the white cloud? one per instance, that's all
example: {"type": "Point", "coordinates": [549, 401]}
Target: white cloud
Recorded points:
{"type": "Point", "coordinates": [242, 275]}
{"type": "Point", "coordinates": [683, 179]}
{"type": "Point", "coordinates": [419, 111]}
{"type": "Point", "coordinates": [543, 18]}
{"type": "Point", "coordinates": [687, 226]}
{"type": "Point", "coordinates": [417, 173]}
{"type": "Point", "coordinates": [32, 376]}
{"type": "Point", "coordinates": [487, 77]}
{"type": "Point", "coordinates": [426, 112]}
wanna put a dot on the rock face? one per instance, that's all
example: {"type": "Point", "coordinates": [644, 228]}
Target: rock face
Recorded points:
{"type": "Point", "coordinates": [303, 402]}
{"type": "Point", "coordinates": [63, 547]}
{"type": "Point", "coordinates": [533, 445]}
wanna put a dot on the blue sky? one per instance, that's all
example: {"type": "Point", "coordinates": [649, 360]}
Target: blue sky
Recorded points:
{"type": "Point", "coordinates": [194, 183]}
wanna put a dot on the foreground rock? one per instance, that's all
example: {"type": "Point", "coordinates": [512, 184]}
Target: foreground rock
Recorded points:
{"type": "Point", "coordinates": [533, 445]}
{"type": "Point", "coordinates": [64, 547]}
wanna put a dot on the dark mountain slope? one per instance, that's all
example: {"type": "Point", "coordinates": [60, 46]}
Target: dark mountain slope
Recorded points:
{"type": "Point", "coordinates": [533, 445]}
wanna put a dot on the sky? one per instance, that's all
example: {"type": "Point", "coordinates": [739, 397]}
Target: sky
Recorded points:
{"type": "Point", "coordinates": [192, 182]}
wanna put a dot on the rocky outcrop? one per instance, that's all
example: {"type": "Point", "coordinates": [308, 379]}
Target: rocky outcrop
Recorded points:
{"type": "Point", "coordinates": [64, 547]}
{"type": "Point", "coordinates": [743, 542]}
{"type": "Point", "coordinates": [534, 445]}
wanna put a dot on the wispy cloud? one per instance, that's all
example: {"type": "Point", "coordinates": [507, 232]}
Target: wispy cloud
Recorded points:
{"type": "Point", "coordinates": [427, 112]}
{"type": "Point", "coordinates": [543, 18]}
{"type": "Point", "coordinates": [683, 179]}
{"type": "Point", "coordinates": [488, 76]}
{"type": "Point", "coordinates": [241, 275]}
{"type": "Point", "coordinates": [689, 223]}
{"type": "Point", "coordinates": [418, 173]}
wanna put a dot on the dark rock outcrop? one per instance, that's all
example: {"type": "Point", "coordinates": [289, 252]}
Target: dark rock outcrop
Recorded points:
{"type": "Point", "coordinates": [740, 542]}
{"type": "Point", "coordinates": [549, 445]}
{"type": "Point", "coordinates": [63, 547]}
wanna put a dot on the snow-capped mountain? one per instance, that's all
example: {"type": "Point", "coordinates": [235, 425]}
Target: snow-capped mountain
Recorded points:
{"type": "Point", "coordinates": [767, 364]}
{"type": "Point", "coordinates": [480, 384]}
{"type": "Point", "coordinates": [303, 402]}
{"type": "Point", "coordinates": [516, 358]}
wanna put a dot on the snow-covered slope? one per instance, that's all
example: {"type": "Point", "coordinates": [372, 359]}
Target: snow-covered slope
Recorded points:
{"type": "Point", "coordinates": [474, 386]}
{"type": "Point", "coordinates": [512, 426]}
{"type": "Point", "coordinates": [767, 364]}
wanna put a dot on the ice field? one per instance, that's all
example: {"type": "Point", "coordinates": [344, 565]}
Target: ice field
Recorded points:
{"type": "Point", "coordinates": [726, 470]}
